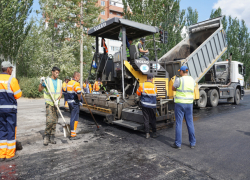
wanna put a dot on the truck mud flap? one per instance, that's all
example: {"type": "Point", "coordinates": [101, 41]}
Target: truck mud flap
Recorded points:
{"type": "Point", "coordinates": [129, 124]}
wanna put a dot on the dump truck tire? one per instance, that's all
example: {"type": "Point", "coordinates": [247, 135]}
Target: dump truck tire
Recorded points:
{"type": "Point", "coordinates": [202, 101]}
{"type": "Point", "coordinates": [237, 97]}
{"type": "Point", "coordinates": [212, 98]}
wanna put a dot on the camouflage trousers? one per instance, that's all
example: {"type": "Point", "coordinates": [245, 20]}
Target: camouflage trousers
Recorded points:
{"type": "Point", "coordinates": [51, 119]}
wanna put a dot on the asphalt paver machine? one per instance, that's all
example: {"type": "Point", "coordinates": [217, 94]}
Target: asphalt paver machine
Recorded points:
{"type": "Point", "coordinates": [199, 51]}
{"type": "Point", "coordinates": [119, 104]}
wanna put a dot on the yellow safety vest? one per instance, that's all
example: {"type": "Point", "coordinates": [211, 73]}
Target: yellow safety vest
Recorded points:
{"type": "Point", "coordinates": [128, 54]}
{"type": "Point", "coordinates": [56, 94]}
{"type": "Point", "coordinates": [185, 92]}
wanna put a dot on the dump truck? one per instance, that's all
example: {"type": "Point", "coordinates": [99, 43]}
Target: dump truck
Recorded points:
{"type": "Point", "coordinates": [200, 50]}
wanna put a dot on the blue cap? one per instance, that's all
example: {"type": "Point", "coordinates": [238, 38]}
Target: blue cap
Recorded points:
{"type": "Point", "coordinates": [183, 68]}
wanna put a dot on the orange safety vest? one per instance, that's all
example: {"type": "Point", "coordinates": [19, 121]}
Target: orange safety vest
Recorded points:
{"type": "Point", "coordinates": [73, 88]}
{"type": "Point", "coordinates": [64, 86]}
{"type": "Point", "coordinates": [90, 87]}
{"type": "Point", "coordinates": [96, 86]}
{"type": "Point", "coordinates": [104, 45]}
{"type": "Point", "coordinates": [9, 92]}
{"type": "Point", "coordinates": [148, 92]}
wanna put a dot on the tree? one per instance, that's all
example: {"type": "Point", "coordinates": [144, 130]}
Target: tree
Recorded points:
{"type": "Point", "coordinates": [238, 41]}
{"type": "Point", "coordinates": [51, 44]}
{"type": "Point", "coordinates": [13, 26]}
{"type": "Point", "coordinates": [165, 14]}
{"type": "Point", "coordinates": [62, 34]}
{"type": "Point", "coordinates": [192, 16]}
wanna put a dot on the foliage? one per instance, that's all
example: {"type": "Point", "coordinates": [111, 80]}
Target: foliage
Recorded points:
{"type": "Point", "coordinates": [238, 40]}
{"type": "Point", "coordinates": [13, 26]}
{"type": "Point", "coordinates": [54, 41]}
{"type": "Point", "coordinates": [164, 14]}
{"type": "Point", "coordinates": [192, 16]}
{"type": "Point", "coordinates": [29, 87]}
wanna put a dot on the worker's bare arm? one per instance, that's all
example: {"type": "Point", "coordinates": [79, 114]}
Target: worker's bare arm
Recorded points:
{"type": "Point", "coordinates": [173, 88]}
{"type": "Point", "coordinates": [142, 51]}
{"type": "Point", "coordinates": [40, 88]}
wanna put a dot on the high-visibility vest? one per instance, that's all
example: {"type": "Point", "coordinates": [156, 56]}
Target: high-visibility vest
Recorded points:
{"type": "Point", "coordinates": [9, 92]}
{"type": "Point", "coordinates": [64, 86]}
{"type": "Point", "coordinates": [128, 54]}
{"type": "Point", "coordinates": [96, 86]}
{"type": "Point", "coordinates": [90, 87]}
{"type": "Point", "coordinates": [138, 48]}
{"type": "Point", "coordinates": [185, 92]}
{"type": "Point", "coordinates": [73, 88]}
{"type": "Point", "coordinates": [54, 93]}
{"type": "Point", "coordinates": [147, 91]}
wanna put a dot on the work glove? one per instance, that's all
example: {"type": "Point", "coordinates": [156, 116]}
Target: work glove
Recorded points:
{"type": "Point", "coordinates": [42, 80]}
{"type": "Point", "coordinates": [57, 102]}
{"type": "Point", "coordinates": [80, 104]}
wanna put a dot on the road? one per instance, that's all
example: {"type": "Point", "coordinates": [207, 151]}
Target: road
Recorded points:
{"type": "Point", "coordinates": [222, 134]}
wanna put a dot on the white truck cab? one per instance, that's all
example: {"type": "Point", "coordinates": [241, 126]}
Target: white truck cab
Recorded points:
{"type": "Point", "coordinates": [236, 72]}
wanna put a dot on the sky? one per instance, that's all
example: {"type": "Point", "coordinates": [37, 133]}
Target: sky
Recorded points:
{"type": "Point", "coordinates": [235, 8]}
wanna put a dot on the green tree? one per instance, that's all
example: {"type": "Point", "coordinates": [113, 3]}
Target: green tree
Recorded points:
{"type": "Point", "coordinates": [165, 14]}
{"type": "Point", "coordinates": [192, 16]}
{"type": "Point", "coordinates": [62, 34]}
{"type": "Point", "coordinates": [238, 40]}
{"type": "Point", "coordinates": [13, 26]}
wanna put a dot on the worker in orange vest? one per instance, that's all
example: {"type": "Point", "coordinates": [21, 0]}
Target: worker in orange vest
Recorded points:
{"type": "Point", "coordinates": [9, 92]}
{"type": "Point", "coordinates": [74, 100]}
{"type": "Point", "coordinates": [87, 87]}
{"type": "Point", "coordinates": [98, 85]}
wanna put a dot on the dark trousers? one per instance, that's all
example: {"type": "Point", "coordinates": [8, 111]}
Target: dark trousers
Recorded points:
{"type": "Point", "coordinates": [149, 119]}
{"type": "Point", "coordinates": [74, 116]}
{"type": "Point", "coordinates": [65, 97]}
{"type": "Point", "coordinates": [7, 135]}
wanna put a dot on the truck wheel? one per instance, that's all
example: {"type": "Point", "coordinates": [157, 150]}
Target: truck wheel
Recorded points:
{"type": "Point", "coordinates": [202, 102]}
{"type": "Point", "coordinates": [212, 98]}
{"type": "Point", "coordinates": [237, 97]}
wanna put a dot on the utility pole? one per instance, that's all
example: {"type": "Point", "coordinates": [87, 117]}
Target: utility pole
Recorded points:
{"type": "Point", "coordinates": [81, 49]}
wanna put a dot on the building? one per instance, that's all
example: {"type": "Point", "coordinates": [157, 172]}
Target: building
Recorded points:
{"type": "Point", "coordinates": [112, 8]}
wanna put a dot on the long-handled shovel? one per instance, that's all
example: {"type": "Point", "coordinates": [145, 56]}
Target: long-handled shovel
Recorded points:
{"type": "Point", "coordinates": [66, 127]}
{"type": "Point", "coordinates": [91, 112]}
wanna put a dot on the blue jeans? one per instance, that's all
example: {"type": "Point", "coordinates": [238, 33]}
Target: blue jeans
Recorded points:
{"type": "Point", "coordinates": [145, 57]}
{"type": "Point", "coordinates": [184, 110]}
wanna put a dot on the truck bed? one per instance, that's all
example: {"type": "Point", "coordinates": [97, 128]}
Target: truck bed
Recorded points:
{"type": "Point", "coordinates": [204, 45]}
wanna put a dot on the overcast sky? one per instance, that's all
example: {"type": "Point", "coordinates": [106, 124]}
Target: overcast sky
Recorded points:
{"type": "Point", "coordinates": [235, 8]}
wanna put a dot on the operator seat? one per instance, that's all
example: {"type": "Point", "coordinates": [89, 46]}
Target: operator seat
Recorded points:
{"type": "Point", "coordinates": [134, 53]}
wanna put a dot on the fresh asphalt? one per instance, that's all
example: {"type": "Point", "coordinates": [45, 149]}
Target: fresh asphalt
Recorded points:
{"type": "Point", "coordinates": [222, 134]}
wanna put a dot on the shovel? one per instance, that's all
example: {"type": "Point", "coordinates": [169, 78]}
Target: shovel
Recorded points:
{"type": "Point", "coordinates": [66, 127]}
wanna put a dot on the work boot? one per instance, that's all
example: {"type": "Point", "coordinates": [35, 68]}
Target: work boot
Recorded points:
{"type": "Point", "coordinates": [192, 147]}
{"type": "Point", "coordinates": [155, 135]}
{"type": "Point", "coordinates": [46, 140]}
{"type": "Point", "coordinates": [52, 139]}
{"type": "Point", "coordinates": [14, 157]}
{"type": "Point", "coordinates": [175, 146]}
{"type": "Point", "coordinates": [74, 138]}
{"type": "Point", "coordinates": [19, 145]}
{"type": "Point", "coordinates": [147, 135]}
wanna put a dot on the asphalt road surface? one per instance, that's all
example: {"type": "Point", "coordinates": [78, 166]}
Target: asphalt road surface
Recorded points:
{"type": "Point", "coordinates": [222, 150]}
